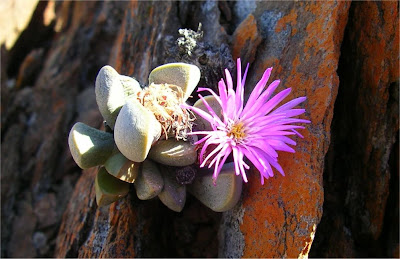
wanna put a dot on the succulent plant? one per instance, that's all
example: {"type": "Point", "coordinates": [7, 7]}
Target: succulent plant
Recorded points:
{"type": "Point", "coordinates": [221, 196]}
{"type": "Point", "coordinates": [122, 168]}
{"type": "Point", "coordinates": [200, 122]}
{"type": "Point", "coordinates": [184, 75]}
{"type": "Point", "coordinates": [136, 129]}
{"type": "Point", "coordinates": [149, 182]}
{"type": "Point", "coordinates": [174, 152]}
{"type": "Point", "coordinates": [148, 142]}
{"type": "Point", "coordinates": [89, 146]}
{"type": "Point", "coordinates": [108, 188]}
{"type": "Point", "coordinates": [173, 195]}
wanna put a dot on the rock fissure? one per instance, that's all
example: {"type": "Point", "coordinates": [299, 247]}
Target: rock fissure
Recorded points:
{"type": "Point", "coordinates": [52, 78]}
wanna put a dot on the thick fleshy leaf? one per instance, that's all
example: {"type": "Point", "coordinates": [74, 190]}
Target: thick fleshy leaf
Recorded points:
{"type": "Point", "coordinates": [181, 74]}
{"type": "Point", "coordinates": [112, 91]}
{"type": "Point", "coordinates": [89, 146]}
{"type": "Point", "coordinates": [122, 168]}
{"type": "Point", "coordinates": [130, 85]}
{"type": "Point", "coordinates": [203, 124]}
{"type": "Point", "coordinates": [173, 194]}
{"type": "Point", "coordinates": [150, 182]}
{"type": "Point", "coordinates": [110, 95]}
{"type": "Point", "coordinates": [224, 194]}
{"type": "Point", "coordinates": [174, 152]}
{"type": "Point", "coordinates": [108, 188]}
{"type": "Point", "coordinates": [136, 129]}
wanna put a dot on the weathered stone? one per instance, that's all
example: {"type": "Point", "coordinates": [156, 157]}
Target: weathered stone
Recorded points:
{"type": "Point", "coordinates": [45, 211]}
{"type": "Point", "coordinates": [246, 40]}
{"type": "Point", "coordinates": [38, 31]}
{"type": "Point", "coordinates": [122, 168]}
{"type": "Point", "coordinates": [77, 215]}
{"type": "Point", "coordinates": [39, 240]}
{"type": "Point", "coordinates": [87, 110]}
{"type": "Point", "coordinates": [173, 152]}
{"type": "Point", "coordinates": [35, 120]}
{"type": "Point", "coordinates": [173, 194]}
{"type": "Point", "coordinates": [222, 195]}
{"type": "Point", "coordinates": [361, 201]}
{"type": "Point", "coordinates": [108, 188]}
{"type": "Point", "coordinates": [82, 213]}
{"type": "Point", "coordinates": [10, 174]}
{"type": "Point", "coordinates": [118, 218]}
{"type": "Point", "coordinates": [21, 244]}
{"type": "Point", "coordinates": [136, 36]}
{"type": "Point", "coordinates": [149, 182]}
{"type": "Point", "coordinates": [136, 129]}
{"type": "Point", "coordinates": [30, 68]}
{"type": "Point", "coordinates": [181, 74]}
{"type": "Point", "coordinates": [291, 206]}
{"type": "Point", "coordinates": [15, 18]}
{"type": "Point", "coordinates": [89, 146]}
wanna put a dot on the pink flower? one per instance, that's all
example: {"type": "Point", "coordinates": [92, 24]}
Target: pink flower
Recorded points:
{"type": "Point", "coordinates": [255, 130]}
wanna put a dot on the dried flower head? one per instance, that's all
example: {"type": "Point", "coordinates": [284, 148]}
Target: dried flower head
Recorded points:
{"type": "Point", "coordinates": [164, 100]}
{"type": "Point", "coordinates": [255, 130]}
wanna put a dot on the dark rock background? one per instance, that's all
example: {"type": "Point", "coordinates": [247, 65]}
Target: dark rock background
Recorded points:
{"type": "Point", "coordinates": [343, 55]}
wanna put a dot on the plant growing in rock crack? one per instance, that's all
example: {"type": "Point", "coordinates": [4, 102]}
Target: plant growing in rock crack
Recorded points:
{"type": "Point", "coordinates": [255, 130]}
{"type": "Point", "coordinates": [148, 141]}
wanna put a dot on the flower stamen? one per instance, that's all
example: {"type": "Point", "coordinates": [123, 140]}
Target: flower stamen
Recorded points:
{"type": "Point", "coordinates": [237, 132]}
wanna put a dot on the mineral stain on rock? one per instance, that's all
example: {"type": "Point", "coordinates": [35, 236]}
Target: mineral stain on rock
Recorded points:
{"type": "Point", "coordinates": [311, 45]}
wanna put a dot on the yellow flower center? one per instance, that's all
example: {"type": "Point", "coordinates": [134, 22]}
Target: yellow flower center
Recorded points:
{"type": "Point", "coordinates": [237, 132]}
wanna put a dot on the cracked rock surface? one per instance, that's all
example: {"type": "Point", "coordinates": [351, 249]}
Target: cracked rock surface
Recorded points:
{"type": "Point", "coordinates": [339, 197]}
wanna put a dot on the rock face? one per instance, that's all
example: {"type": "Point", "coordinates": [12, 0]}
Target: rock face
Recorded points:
{"type": "Point", "coordinates": [37, 170]}
{"type": "Point", "coordinates": [302, 43]}
{"type": "Point", "coordinates": [343, 56]}
{"type": "Point", "coordinates": [362, 171]}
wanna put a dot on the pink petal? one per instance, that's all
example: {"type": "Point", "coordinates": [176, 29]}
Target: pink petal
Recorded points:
{"type": "Point", "coordinates": [261, 165]}
{"type": "Point", "coordinates": [259, 87]}
{"type": "Point", "coordinates": [281, 146]}
{"type": "Point", "coordinates": [223, 94]}
{"type": "Point", "coordinates": [283, 139]}
{"type": "Point", "coordinates": [200, 112]}
{"type": "Point", "coordinates": [212, 92]}
{"type": "Point", "coordinates": [241, 163]}
{"type": "Point", "coordinates": [226, 153]}
{"type": "Point", "coordinates": [263, 144]}
{"type": "Point", "coordinates": [228, 79]}
{"type": "Point", "coordinates": [255, 107]}
{"type": "Point", "coordinates": [245, 75]}
{"type": "Point", "coordinates": [290, 113]}
{"type": "Point", "coordinates": [212, 112]}
{"type": "Point", "coordinates": [267, 107]}
{"type": "Point", "coordinates": [290, 104]}
{"type": "Point", "coordinates": [297, 133]}
{"type": "Point", "coordinates": [239, 87]}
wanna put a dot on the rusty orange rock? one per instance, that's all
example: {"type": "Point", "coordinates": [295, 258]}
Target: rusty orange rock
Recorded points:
{"type": "Point", "coordinates": [102, 241]}
{"type": "Point", "coordinates": [246, 39]}
{"type": "Point", "coordinates": [76, 215]}
{"type": "Point", "coordinates": [379, 35]}
{"type": "Point", "coordinates": [363, 181]}
{"type": "Point", "coordinates": [302, 42]}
